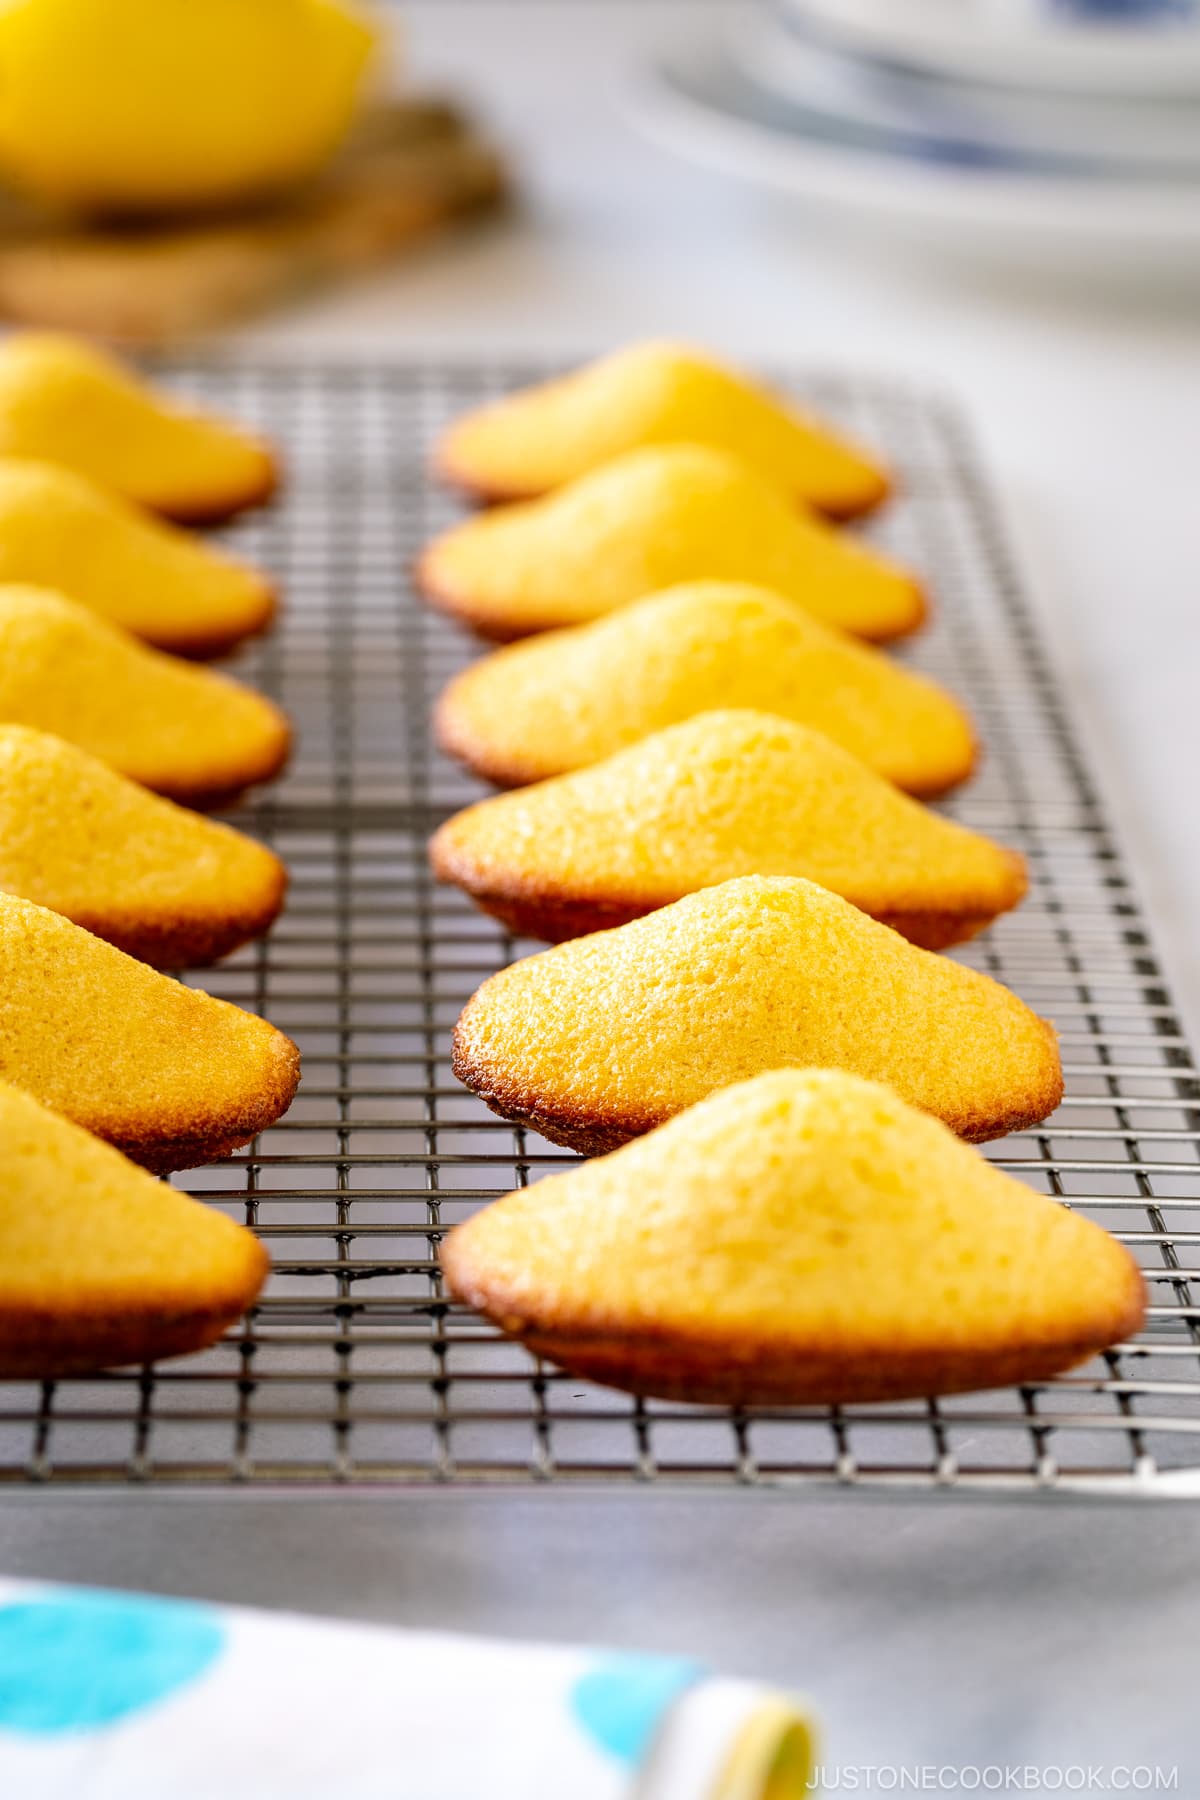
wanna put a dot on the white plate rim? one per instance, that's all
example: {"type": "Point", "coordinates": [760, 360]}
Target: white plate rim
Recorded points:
{"type": "Point", "coordinates": [1131, 215]}
{"type": "Point", "coordinates": [780, 62]}
{"type": "Point", "coordinates": [1114, 60]}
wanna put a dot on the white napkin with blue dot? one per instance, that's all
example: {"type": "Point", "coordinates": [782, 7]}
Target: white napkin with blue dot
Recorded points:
{"type": "Point", "coordinates": [126, 1697]}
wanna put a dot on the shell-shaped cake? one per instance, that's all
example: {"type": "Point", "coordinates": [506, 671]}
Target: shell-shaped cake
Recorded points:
{"type": "Point", "coordinates": [722, 795]}
{"type": "Point", "coordinates": [167, 1074]}
{"type": "Point", "coordinates": [653, 518]}
{"type": "Point", "coordinates": [542, 437]}
{"type": "Point", "coordinates": [63, 400]}
{"type": "Point", "coordinates": [805, 1238]}
{"type": "Point", "coordinates": [187, 732]}
{"type": "Point", "coordinates": [570, 698]}
{"type": "Point", "coordinates": [166, 586]}
{"type": "Point", "coordinates": [99, 1263]}
{"type": "Point", "coordinates": [601, 1039]}
{"type": "Point", "coordinates": [160, 882]}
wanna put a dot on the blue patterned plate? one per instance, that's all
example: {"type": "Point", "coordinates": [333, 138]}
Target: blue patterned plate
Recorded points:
{"type": "Point", "coordinates": [1147, 47]}
{"type": "Point", "coordinates": [981, 205]}
{"type": "Point", "coordinates": [1119, 137]}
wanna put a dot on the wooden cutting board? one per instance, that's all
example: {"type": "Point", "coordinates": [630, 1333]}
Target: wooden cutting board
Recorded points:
{"type": "Point", "coordinates": [412, 168]}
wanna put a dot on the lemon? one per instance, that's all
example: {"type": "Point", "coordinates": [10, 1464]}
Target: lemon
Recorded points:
{"type": "Point", "coordinates": [143, 106]}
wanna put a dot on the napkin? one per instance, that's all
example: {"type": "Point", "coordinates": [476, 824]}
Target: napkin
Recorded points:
{"type": "Point", "coordinates": [127, 1697]}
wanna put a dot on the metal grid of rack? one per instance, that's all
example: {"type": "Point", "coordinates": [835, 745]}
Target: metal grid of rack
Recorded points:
{"type": "Point", "coordinates": [355, 1369]}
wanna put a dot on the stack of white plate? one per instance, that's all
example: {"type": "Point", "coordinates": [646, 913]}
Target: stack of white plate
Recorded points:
{"type": "Point", "coordinates": [1065, 132]}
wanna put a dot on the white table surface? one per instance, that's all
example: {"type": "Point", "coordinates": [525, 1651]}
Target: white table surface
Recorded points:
{"type": "Point", "coordinates": [1043, 1631]}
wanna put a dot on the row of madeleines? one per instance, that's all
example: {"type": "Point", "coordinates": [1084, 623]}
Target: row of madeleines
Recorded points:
{"type": "Point", "coordinates": [107, 877]}
{"type": "Point", "coordinates": [718, 825]}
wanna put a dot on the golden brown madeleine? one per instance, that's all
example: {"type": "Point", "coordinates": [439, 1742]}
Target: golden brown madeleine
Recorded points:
{"type": "Point", "coordinates": [170, 1076]}
{"type": "Point", "coordinates": [63, 400]}
{"type": "Point", "coordinates": [159, 882]}
{"type": "Point", "coordinates": [190, 733]}
{"type": "Point", "coordinates": [542, 437]}
{"type": "Point", "coordinates": [571, 698]}
{"type": "Point", "coordinates": [605, 1037]}
{"type": "Point", "coordinates": [169, 588]}
{"type": "Point", "coordinates": [804, 1238]}
{"type": "Point", "coordinates": [722, 795]}
{"type": "Point", "coordinates": [672, 513]}
{"type": "Point", "coordinates": [99, 1263]}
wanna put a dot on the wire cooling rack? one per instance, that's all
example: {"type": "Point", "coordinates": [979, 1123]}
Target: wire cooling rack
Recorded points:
{"type": "Point", "coordinates": [355, 1369]}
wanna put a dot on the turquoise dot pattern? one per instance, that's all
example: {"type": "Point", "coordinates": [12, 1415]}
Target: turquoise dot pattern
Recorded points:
{"type": "Point", "coordinates": [620, 1701]}
{"type": "Point", "coordinates": [76, 1662]}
